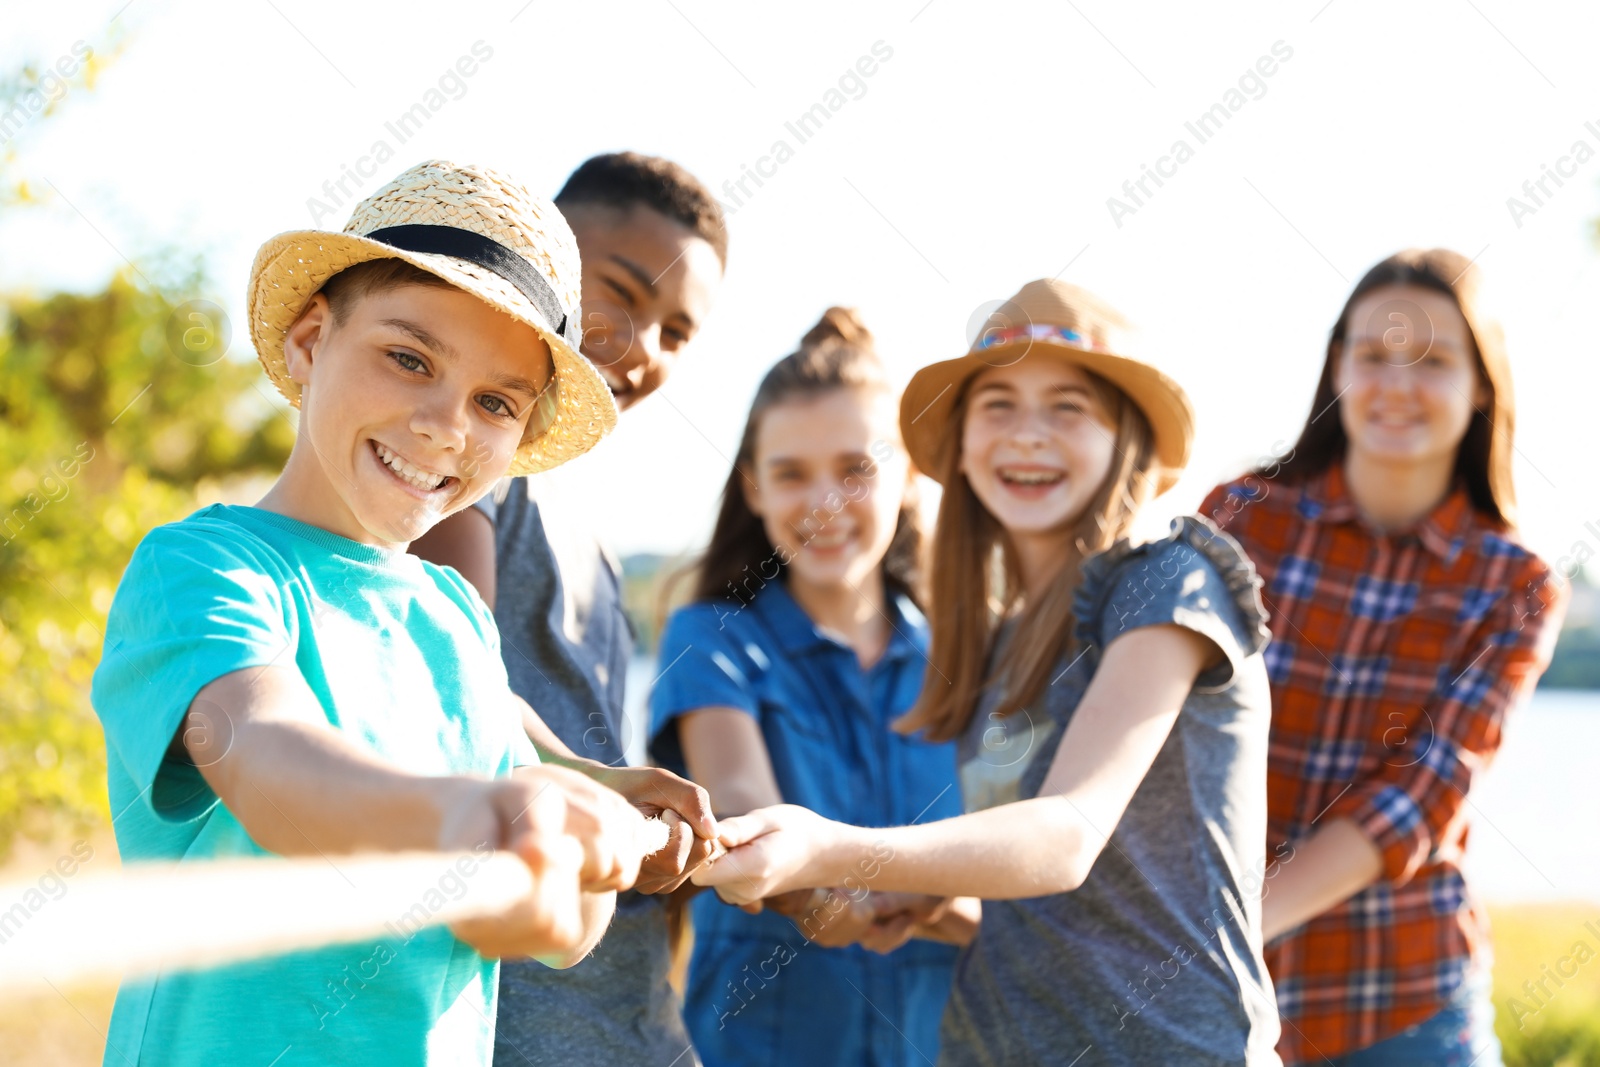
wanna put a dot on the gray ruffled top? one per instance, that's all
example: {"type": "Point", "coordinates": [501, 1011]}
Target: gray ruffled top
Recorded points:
{"type": "Point", "coordinates": [1156, 958]}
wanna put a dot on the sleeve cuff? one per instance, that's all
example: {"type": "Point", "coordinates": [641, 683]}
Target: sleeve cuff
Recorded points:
{"type": "Point", "coordinates": [1392, 820]}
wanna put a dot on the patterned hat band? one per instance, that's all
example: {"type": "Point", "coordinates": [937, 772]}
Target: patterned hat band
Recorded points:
{"type": "Point", "coordinates": [1038, 331]}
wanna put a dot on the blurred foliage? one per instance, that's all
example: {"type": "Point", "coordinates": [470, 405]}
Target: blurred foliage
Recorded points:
{"type": "Point", "coordinates": [1575, 664]}
{"type": "Point", "coordinates": [31, 95]}
{"type": "Point", "coordinates": [105, 432]}
{"type": "Point", "coordinates": [118, 412]}
{"type": "Point", "coordinates": [1567, 1041]}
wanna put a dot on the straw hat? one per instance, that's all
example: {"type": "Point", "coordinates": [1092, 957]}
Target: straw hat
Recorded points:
{"type": "Point", "coordinates": [481, 232]}
{"type": "Point", "coordinates": [1047, 316]}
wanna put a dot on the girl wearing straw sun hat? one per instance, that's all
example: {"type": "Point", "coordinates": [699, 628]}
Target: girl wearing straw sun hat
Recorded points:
{"type": "Point", "coordinates": [1109, 705]}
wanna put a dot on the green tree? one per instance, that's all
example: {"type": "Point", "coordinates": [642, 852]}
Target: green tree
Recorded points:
{"type": "Point", "coordinates": [118, 412]}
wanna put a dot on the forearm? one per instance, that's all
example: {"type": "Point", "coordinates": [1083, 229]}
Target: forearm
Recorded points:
{"type": "Point", "coordinates": [726, 752]}
{"type": "Point", "coordinates": [550, 747]}
{"type": "Point", "coordinates": [300, 788]}
{"type": "Point", "coordinates": [1026, 849]}
{"type": "Point", "coordinates": [1029, 848]}
{"type": "Point", "coordinates": [1330, 867]}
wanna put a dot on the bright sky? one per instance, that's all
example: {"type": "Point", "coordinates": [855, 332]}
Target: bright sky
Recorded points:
{"type": "Point", "coordinates": [978, 155]}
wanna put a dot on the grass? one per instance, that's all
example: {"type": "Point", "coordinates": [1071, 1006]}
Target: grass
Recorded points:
{"type": "Point", "coordinates": [1557, 1024]}
{"type": "Point", "coordinates": [57, 1029]}
{"type": "Point", "coordinates": [1561, 1029]}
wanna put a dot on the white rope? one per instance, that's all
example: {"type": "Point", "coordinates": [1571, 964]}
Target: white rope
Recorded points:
{"type": "Point", "coordinates": [160, 917]}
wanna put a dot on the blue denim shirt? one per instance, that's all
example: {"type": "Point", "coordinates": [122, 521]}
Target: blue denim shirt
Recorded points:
{"type": "Point", "coordinates": [758, 991]}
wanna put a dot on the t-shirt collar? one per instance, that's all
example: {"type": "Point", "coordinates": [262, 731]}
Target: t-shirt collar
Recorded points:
{"type": "Point", "coordinates": [795, 632]}
{"type": "Point", "coordinates": [327, 540]}
{"type": "Point", "coordinates": [1326, 498]}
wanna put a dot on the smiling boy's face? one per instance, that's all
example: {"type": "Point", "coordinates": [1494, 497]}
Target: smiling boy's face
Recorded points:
{"type": "Point", "coordinates": [411, 408]}
{"type": "Point", "coordinates": [648, 284]}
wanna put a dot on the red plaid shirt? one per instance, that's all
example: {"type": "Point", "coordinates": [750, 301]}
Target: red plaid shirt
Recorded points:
{"type": "Point", "coordinates": [1394, 660]}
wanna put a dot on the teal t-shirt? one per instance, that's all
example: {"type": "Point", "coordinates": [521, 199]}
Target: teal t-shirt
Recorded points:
{"type": "Point", "coordinates": [405, 659]}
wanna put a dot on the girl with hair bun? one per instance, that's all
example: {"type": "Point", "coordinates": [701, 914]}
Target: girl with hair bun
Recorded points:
{"type": "Point", "coordinates": [803, 642]}
{"type": "Point", "coordinates": [1109, 704]}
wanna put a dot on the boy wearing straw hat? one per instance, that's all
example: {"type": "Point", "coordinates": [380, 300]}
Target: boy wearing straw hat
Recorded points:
{"type": "Point", "coordinates": [653, 242]}
{"type": "Point", "coordinates": [285, 678]}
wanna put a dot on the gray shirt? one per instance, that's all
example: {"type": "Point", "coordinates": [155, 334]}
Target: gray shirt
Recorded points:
{"type": "Point", "coordinates": [1156, 958]}
{"type": "Point", "coordinates": [566, 644]}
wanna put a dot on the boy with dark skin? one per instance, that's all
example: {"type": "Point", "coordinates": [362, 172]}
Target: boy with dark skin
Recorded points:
{"type": "Point", "coordinates": [653, 246]}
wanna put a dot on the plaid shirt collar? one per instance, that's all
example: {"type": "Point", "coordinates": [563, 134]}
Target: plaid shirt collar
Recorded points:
{"type": "Point", "coordinates": [1326, 499]}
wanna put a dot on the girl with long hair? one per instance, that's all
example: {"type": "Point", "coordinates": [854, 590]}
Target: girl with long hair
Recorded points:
{"type": "Point", "coordinates": [802, 643]}
{"type": "Point", "coordinates": [1109, 703]}
{"type": "Point", "coordinates": [1407, 620]}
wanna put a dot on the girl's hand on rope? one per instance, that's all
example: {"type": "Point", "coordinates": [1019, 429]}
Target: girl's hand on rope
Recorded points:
{"type": "Point", "coordinates": [770, 851]}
